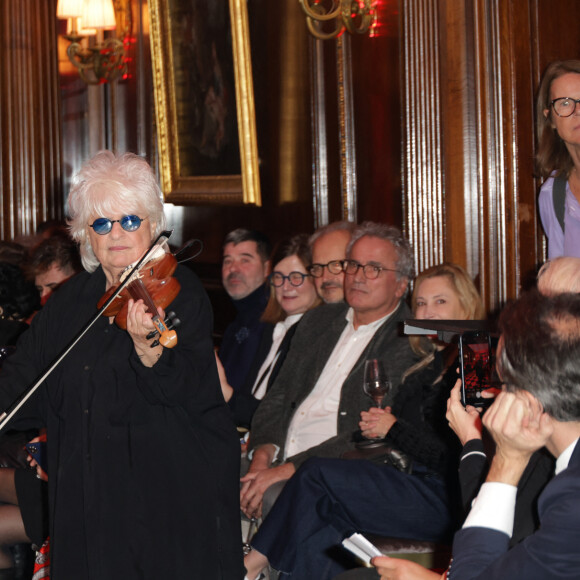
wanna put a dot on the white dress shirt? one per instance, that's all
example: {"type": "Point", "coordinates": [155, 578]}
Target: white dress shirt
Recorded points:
{"type": "Point", "coordinates": [495, 503]}
{"type": "Point", "coordinates": [280, 330]}
{"type": "Point", "coordinates": [315, 419]}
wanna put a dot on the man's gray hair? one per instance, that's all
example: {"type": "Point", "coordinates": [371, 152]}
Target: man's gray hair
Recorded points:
{"type": "Point", "coordinates": [392, 234]}
{"type": "Point", "coordinates": [541, 342]}
{"type": "Point", "coordinates": [559, 275]}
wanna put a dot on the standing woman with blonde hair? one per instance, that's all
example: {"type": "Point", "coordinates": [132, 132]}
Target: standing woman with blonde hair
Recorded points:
{"type": "Point", "coordinates": [558, 157]}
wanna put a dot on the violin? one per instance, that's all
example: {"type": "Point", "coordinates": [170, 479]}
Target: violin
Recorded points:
{"type": "Point", "coordinates": [153, 283]}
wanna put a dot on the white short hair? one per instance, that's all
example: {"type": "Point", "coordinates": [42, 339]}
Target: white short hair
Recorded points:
{"type": "Point", "coordinates": [106, 185]}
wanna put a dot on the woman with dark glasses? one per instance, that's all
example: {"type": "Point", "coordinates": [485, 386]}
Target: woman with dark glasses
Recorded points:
{"type": "Point", "coordinates": [558, 157]}
{"type": "Point", "coordinates": [293, 293]}
{"type": "Point", "coordinates": [143, 457]}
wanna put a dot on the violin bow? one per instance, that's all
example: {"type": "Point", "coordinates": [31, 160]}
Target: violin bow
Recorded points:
{"type": "Point", "coordinates": [15, 407]}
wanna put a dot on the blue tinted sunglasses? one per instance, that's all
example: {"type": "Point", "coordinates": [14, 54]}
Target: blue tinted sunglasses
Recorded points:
{"type": "Point", "coordinates": [130, 223]}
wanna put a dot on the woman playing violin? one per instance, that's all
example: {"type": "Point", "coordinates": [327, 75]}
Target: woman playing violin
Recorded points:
{"type": "Point", "coordinates": [142, 452]}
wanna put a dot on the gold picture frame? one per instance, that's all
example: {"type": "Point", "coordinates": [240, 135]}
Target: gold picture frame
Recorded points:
{"type": "Point", "coordinates": [208, 151]}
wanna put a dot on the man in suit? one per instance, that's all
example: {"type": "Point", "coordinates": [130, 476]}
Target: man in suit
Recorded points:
{"type": "Point", "coordinates": [538, 360]}
{"type": "Point", "coordinates": [328, 244]}
{"type": "Point", "coordinates": [313, 407]}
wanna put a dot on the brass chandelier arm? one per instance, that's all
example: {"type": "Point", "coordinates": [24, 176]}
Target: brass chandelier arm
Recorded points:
{"type": "Point", "coordinates": [316, 14]}
{"type": "Point", "coordinates": [100, 60]}
{"type": "Point", "coordinates": [107, 61]}
{"type": "Point", "coordinates": [366, 15]}
{"type": "Point", "coordinates": [314, 29]}
{"type": "Point", "coordinates": [353, 15]}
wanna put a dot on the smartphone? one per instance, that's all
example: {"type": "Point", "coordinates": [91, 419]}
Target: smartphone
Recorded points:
{"type": "Point", "coordinates": [477, 364]}
{"type": "Point", "coordinates": [38, 452]}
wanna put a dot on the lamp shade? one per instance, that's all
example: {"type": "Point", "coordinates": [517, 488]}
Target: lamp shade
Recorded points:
{"type": "Point", "coordinates": [99, 14]}
{"type": "Point", "coordinates": [69, 8]}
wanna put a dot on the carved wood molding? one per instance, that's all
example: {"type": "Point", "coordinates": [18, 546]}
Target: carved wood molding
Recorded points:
{"type": "Point", "coordinates": [346, 133]}
{"type": "Point", "coordinates": [422, 169]}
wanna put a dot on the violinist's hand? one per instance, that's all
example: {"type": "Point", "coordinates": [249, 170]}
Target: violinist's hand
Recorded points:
{"type": "Point", "coordinates": [139, 325]}
{"type": "Point", "coordinates": [376, 423]}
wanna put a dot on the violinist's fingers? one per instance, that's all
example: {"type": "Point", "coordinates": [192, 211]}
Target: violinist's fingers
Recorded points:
{"type": "Point", "coordinates": [138, 319]}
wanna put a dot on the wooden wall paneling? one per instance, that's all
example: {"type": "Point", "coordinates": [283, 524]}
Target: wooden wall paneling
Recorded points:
{"type": "Point", "coordinates": [488, 226]}
{"type": "Point", "coordinates": [293, 107]}
{"type": "Point", "coordinates": [346, 133]}
{"type": "Point", "coordinates": [504, 120]}
{"type": "Point", "coordinates": [319, 140]}
{"type": "Point", "coordinates": [470, 198]}
{"type": "Point", "coordinates": [29, 117]}
{"type": "Point", "coordinates": [422, 164]}
{"type": "Point", "coordinates": [523, 245]}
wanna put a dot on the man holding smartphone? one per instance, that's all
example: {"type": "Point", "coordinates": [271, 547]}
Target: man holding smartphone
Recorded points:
{"type": "Point", "coordinates": [539, 364]}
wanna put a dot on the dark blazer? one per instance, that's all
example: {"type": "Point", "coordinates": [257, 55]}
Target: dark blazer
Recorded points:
{"type": "Point", "coordinates": [551, 552]}
{"type": "Point", "coordinates": [312, 345]}
{"type": "Point", "coordinates": [242, 403]}
{"type": "Point", "coordinates": [473, 470]}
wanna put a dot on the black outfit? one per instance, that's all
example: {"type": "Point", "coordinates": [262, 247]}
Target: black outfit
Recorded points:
{"type": "Point", "coordinates": [32, 494]}
{"type": "Point", "coordinates": [539, 471]}
{"type": "Point", "coordinates": [242, 403]}
{"type": "Point", "coordinates": [328, 499]}
{"type": "Point", "coordinates": [10, 330]}
{"type": "Point", "coordinates": [241, 349]}
{"type": "Point", "coordinates": [143, 462]}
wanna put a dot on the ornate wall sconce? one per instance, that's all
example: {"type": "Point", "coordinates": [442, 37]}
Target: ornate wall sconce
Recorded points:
{"type": "Point", "coordinates": [330, 18]}
{"type": "Point", "coordinates": [98, 59]}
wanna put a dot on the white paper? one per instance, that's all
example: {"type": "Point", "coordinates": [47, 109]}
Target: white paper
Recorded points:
{"type": "Point", "coordinates": [361, 548]}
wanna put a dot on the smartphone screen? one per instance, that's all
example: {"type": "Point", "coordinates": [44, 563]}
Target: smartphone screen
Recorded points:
{"type": "Point", "coordinates": [477, 367]}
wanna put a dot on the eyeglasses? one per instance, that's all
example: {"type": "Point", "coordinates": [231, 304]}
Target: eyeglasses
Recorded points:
{"type": "Point", "coordinates": [317, 270]}
{"type": "Point", "coordinates": [295, 278]}
{"type": "Point", "coordinates": [564, 106]}
{"type": "Point", "coordinates": [370, 271]}
{"type": "Point", "coordinates": [130, 223]}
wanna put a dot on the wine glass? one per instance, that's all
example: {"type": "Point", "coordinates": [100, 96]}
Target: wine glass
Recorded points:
{"type": "Point", "coordinates": [376, 383]}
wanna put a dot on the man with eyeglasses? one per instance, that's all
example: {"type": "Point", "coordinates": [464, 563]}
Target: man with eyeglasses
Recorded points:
{"type": "Point", "coordinates": [313, 406]}
{"type": "Point", "coordinates": [245, 269]}
{"type": "Point", "coordinates": [328, 245]}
